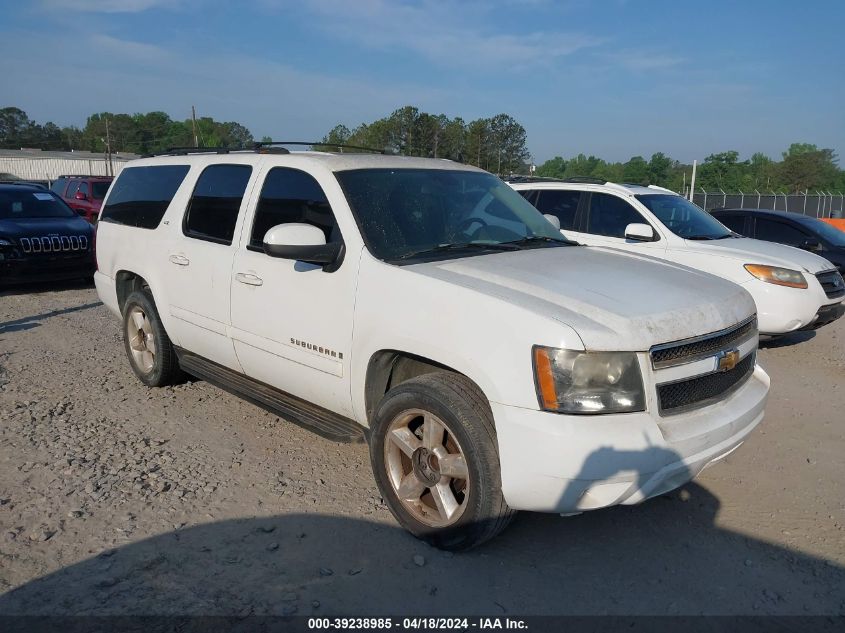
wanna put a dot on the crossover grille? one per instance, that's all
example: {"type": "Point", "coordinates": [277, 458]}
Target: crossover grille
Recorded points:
{"type": "Point", "coordinates": [699, 391]}
{"type": "Point", "coordinates": [54, 244]}
{"type": "Point", "coordinates": [832, 284]}
{"type": "Point", "coordinates": [690, 350]}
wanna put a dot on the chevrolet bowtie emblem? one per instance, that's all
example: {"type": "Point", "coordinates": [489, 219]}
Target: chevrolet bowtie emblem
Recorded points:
{"type": "Point", "coordinates": [727, 360]}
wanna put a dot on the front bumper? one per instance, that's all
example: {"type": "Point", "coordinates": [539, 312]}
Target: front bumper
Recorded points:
{"type": "Point", "coordinates": [41, 269]}
{"type": "Point", "coordinates": [826, 315]}
{"type": "Point", "coordinates": [781, 310]}
{"type": "Point", "coordinates": [567, 463]}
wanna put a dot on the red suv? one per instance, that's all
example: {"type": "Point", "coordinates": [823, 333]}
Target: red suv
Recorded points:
{"type": "Point", "coordinates": [84, 194]}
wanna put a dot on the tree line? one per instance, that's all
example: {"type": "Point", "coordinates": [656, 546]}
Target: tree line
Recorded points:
{"type": "Point", "coordinates": [127, 133]}
{"type": "Point", "coordinates": [497, 144]}
{"type": "Point", "coordinates": [802, 167]}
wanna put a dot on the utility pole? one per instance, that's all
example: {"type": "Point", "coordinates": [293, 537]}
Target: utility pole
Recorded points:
{"type": "Point", "coordinates": [692, 180]}
{"type": "Point", "coordinates": [108, 149]}
{"type": "Point", "coordinates": [194, 126]}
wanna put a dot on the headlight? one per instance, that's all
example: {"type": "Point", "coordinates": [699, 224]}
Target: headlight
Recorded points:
{"type": "Point", "coordinates": [777, 276]}
{"type": "Point", "coordinates": [5, 242]}
{"type": "Point", "coordinates": [588, 382]}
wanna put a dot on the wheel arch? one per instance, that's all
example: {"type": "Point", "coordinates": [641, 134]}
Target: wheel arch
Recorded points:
{"type": "Point", "coordinates": [388, 368]}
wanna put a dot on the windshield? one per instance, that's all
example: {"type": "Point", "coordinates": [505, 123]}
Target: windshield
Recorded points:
{"type": "Point", "coordinates": [828, 232]}
{"type": "Point", "coordinates": [25, 203]}
{"type": "Point", "coordinates": [436, 214]}
{"type": "Point", "coordinates": [99, 189]}
{"type": "Point", "coordinates": [683, 218]}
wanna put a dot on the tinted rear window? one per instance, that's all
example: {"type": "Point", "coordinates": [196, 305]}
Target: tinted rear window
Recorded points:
{"type": "Point", "coordinates": [141, 195]}
{"type": "Point", "coordinates": [99, 189]}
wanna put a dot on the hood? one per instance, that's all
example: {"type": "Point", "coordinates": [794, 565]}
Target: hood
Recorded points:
{"type": "Point", "coordinates": [752, 251]}
{"type": "Point", "coordinates": [25, 227]}
{"type": "Point", "coordinates": [613, 300]}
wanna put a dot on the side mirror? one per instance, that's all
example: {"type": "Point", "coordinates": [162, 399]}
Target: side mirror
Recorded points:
{"type": "Point", "coordinates": [639, 233]}
{"type": "Point", "coordinates": [304, 243]}
{"type": "Point", "coordinates": [553, 219]}
{"type": "Point", "coordinates": [811, 245]}
{"type": "Point", "coordinates": [80, 196]}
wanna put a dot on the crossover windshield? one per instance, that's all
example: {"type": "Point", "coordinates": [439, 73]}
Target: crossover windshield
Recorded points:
{"type": "Point", "coordinates": [828, 232]}
{"type": "Point", "coordinates": [430, 214]}
{"type": "Point", "coordinates": [684, 218]}
{"type": "Point", "coordinates": [26, 203]}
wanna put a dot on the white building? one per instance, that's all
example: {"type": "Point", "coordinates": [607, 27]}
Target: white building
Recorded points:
{"type": "Point", "coordinates": [46, 166]}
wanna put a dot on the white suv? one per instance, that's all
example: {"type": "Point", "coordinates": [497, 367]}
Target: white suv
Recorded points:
{"type": "Point", "coordinates": [793, 289]}
{"type": "Point", "coordinates": [426, 307]}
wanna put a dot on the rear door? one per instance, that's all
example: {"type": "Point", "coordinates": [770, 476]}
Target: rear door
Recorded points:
{"type": "Point", "coordinates": [200, 261]}
{"type": "Point", "coordinates": [565, 204]}
{"type": "Point", "coordinates": [737, 222]}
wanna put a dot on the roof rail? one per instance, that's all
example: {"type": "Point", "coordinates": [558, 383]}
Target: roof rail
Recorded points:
{"type": "Point", "coordinates": [259, 145]}
{"type": "Point", "coordinates": [521, 179]}
{"type": "Point", "coordinates": [184, 151]}
{"type": "Point", "coordinates": [587, 180]}
{"type": "Point", "coordinates": [81, 176]}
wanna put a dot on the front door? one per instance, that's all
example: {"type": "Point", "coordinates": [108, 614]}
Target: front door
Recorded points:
{"type": "Point", "coordinates": [605, 221]}
{"type": "Point", "coordinates": [291, 321]}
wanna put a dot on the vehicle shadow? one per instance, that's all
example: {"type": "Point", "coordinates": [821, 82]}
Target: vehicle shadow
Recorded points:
{"type": "Point", "coordinates": [666, 556]}
{"type": "Point", "coordinates": [53, 286]}
{"type": "Point", "coordinates": [793, 338]}
{"type": "Point", "coordinates": [29, 322]}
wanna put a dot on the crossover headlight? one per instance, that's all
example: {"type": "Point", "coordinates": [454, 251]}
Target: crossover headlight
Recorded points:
{"type": "Point", "coordinates": [588, 382]}
{"type": "Point", "coordinates": [5, 242]}
{"type": "Point", "coordinates": [778, 276]}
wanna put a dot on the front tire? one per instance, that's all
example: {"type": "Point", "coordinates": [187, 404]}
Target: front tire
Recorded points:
{"type": "Point", "coordinates": [148, 348]}
{"type": "Point", "coordinates": [435, 459]}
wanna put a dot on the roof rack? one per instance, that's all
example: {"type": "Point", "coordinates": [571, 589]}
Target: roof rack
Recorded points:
{"type": "Point", "coordinates": [81, 176]}
{"type": "Point", "coordinates": [260, 145]}
{"type": "Point", "coordinates": [587, 180]}
{"type": "Point", "coordinates": [184, 151]}
{"type": "Point", "coordinates": [521, 179]}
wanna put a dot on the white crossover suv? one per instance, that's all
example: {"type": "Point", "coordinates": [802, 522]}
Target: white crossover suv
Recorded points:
{"type": "Point", "coordinates": [425, 307]}
{"type": "Point", "coordinates": [793, 289]}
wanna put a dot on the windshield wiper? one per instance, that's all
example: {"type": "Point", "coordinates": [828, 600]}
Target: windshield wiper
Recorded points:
{"type": "Point", "coordinates": [533, 239]}
{"type": "Point", "coordinates": [499, 246]}
{"type": "Point", "coordinates": [708, 237]}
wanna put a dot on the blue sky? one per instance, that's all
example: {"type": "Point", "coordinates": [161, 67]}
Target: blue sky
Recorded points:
{"type": "Point", "coordinates": [614, 78]}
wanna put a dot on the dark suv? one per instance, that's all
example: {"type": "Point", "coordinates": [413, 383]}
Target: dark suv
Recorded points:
{"type": "Point", "coordinates": [792, 229]}
{"type": "Point", "coordinates": [41, 237]}
{"type": "Point", "coordinates": [84, 194]}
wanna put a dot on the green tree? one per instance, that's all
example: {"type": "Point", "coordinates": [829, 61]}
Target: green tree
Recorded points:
{"type": "Point", "coordinates": [636, 171]}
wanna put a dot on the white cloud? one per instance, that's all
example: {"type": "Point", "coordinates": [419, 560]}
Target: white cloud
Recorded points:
{"type": "Point", "coordinates": [448, 33]}
{"type": "Point", "coordinates": [110, 6]}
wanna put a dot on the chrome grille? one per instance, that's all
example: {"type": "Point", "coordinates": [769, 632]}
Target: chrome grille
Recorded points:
{"type": "Point", "coordinates": [693, 349]}
{"type": "Point", "coordinates": [699, 391]}
{"type": "Point", "coordinates": [832, 284]}
{"type": "Point", "coordinates": [54, 244]}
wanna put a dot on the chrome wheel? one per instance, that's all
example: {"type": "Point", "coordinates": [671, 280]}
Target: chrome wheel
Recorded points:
{"type": "Point", "coordinates": [139, 333]}
{"type": "Point", "coordinates": [427, 468]}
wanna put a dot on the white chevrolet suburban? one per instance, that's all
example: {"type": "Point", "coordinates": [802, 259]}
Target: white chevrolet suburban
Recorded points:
{"type": "Point", "coordinates": [427, 308]}
{"type": "Point", "coordinates": [793, 289]}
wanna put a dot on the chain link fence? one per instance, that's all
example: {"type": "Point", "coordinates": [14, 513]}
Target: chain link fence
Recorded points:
{"type": "Point", "coordinates": [819, 204]}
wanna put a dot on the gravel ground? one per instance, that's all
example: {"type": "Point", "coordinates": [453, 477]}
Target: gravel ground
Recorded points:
{"type": "Point", "coordinates": [119, 499]}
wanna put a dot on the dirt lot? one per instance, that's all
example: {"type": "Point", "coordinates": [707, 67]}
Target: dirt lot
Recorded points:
{"type": "Point", "coordinates": [118, 499]}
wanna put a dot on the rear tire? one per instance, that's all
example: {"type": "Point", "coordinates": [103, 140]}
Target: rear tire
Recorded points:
{"type": "Point", "coordinates": [435, 458]}
{"type": "Point", "coordinates": [148, 348]}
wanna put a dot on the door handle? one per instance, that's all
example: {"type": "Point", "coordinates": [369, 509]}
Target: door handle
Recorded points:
{"type": "Point", "coordinates": [249, 279]}
{"type": "Point", "coordinates": [180, 260]}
